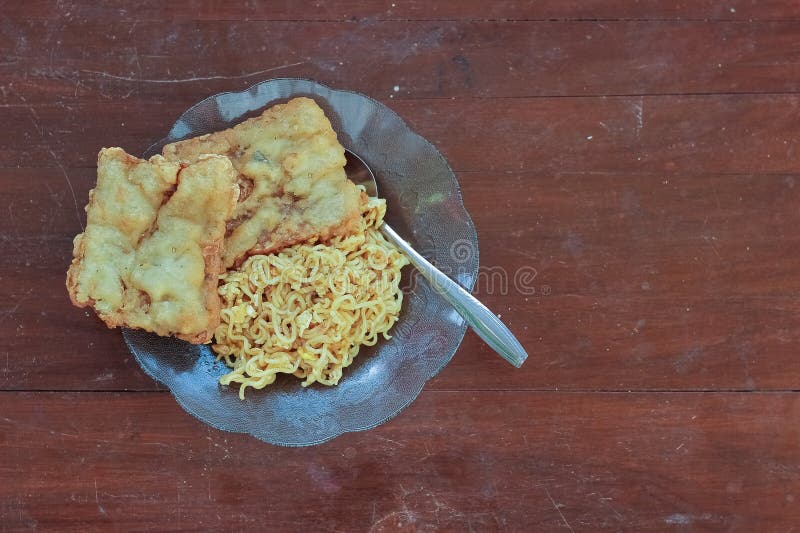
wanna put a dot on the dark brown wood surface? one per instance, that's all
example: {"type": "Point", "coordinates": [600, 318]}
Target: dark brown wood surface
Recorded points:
{"type": "Point", "coordinates": [640, 157]}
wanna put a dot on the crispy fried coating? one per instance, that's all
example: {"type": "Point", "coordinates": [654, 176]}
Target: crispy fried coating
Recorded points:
{"type": "Point", "coordinates": [291, 173]}
{"type": "Point", "coordinates": [150, 255]}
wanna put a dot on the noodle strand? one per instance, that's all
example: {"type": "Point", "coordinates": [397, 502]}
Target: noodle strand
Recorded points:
{"type": "Point", "coordinates": [307, 309]}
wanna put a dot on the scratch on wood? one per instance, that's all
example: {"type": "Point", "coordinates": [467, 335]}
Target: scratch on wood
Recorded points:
{"type": "Point", "coordinates": [35, 428]}
{"type": "Point", "coordinates": [178, 507]}
{"type": "Point", "coordinates": [401, 515]}
{"type": "Point", "coordinates": [138, 64]}
{"type": "Point", "coordinates": [71, 188]}
{"type": "Point", "coordinates": [522, 253]}
{"type": "Point", "coordinates": [604, 501]}
{"type": "Point", "coordinates": [189, 80]}
{"type": "Point", "coordinates": [386, 439]}
{"type": "Point", "coordinates": [35, 120]}
{"type": "Point", "coordinates": [10, 312]}
{"type": "Point", "coordinates": [97, 499]}
{"type": "Point", "coordinates": [558, 509]}
{"type": "Point", "coordinates": [427, 453]}
{"type": "Point", "coordinates": [638, 108]}
{"type": "Point", "coordinates": [13, 310]}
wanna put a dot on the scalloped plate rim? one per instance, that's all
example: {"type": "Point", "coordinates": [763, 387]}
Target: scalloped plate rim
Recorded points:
{"type": "Point", "coordinates": [463, 328]}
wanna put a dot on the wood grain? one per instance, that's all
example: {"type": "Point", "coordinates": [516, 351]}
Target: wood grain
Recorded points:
{"type": "Point", "coordinates": [485, 461]}
{"type": "Point", "coordinates": [636, 161]}
{"type": "Point", "coordinates": [409, 10]}
{"type": "Point", "coordinates": [90, 59]}
{"type": "Point", "coordinates": [732, 134]}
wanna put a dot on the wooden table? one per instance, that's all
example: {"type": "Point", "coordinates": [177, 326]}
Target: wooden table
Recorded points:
{"type": "Point", "coordinates": [641, 157]}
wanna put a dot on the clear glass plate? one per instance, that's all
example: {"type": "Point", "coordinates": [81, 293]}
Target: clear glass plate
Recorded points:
{"type": "Point", "coordinates": [424, 205]}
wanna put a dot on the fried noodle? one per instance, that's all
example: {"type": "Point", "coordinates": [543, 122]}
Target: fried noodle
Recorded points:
{"type": "Point", "coordinates": [308, 309]}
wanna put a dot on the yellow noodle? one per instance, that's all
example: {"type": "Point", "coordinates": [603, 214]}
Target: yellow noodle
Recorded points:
{"type": "Point", "coordinates": [309, 308]}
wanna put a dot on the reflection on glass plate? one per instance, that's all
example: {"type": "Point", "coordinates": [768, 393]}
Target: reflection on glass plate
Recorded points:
{"type": "Point", "coordinates": [424, 205]}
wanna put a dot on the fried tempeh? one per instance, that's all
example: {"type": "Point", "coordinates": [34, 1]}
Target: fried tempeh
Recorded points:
{"type": "Point", "coordinates": [150, 256]}
{"type": "Point", "coordinates": [291, 173]}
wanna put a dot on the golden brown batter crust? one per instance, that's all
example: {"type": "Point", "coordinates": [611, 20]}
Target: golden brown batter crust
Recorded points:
{"type": "Point", "coordinates": [151, 252]}
{"type": "Point", "coordinates": [291, 173]}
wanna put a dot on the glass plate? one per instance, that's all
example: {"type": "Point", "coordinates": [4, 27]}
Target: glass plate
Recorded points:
{"type": "Point", "coordinates": [424, 205]}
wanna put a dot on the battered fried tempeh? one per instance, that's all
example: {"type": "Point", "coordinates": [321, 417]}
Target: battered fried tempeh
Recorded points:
{"type": "Point", "coordinates": [150, 255]}
{"type": "Point", "coordinates": [291, 172]}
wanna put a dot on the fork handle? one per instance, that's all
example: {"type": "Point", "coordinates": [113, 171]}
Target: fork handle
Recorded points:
{"type": "Point", "coordinates": [478, 316]}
